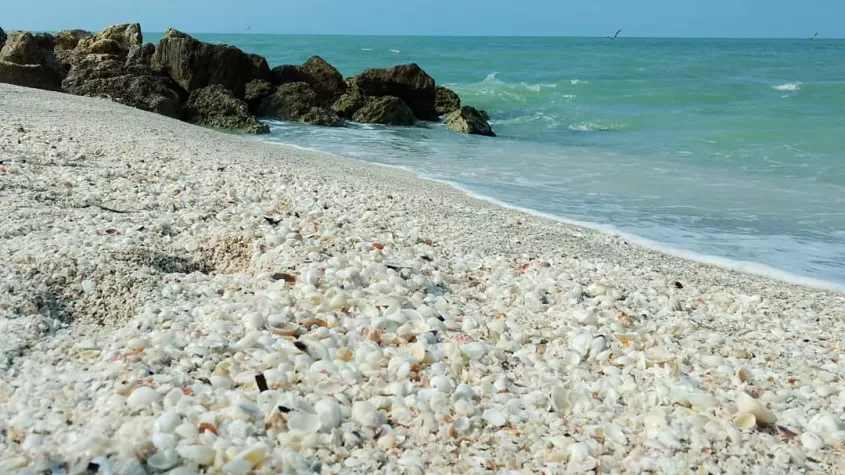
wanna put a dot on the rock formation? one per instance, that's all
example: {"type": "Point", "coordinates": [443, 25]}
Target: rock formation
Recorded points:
{"type": "Point", "coordinates": [386, 110]}
{"type": "Point", "coordinates": [28, 60]}
{"type": "Point", "coordinates": [446, 101]}
{"type": "Point", "coordinates": [216, 106]}
{"type": "Point", "coordinates": [299, 102]}
{"type": "Point", "coordinates": [468, 120]}
{"type": "Point", "coordinates": [407, 82]}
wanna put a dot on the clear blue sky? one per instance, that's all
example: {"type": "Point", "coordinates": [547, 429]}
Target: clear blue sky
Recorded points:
{"type": "Point", "coordinates": [688, 18]}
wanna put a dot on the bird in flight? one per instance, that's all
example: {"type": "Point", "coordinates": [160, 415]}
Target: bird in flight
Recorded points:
{"type": "Point", "coordinates": [616, 35]}
{"type": "Point", "coordinates": [814, 36]}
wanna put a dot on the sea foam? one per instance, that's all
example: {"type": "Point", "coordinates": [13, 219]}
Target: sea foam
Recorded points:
{"type": "Point", "coordinates": [790, 86]}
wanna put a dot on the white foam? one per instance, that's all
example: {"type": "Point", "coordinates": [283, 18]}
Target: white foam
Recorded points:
{"type": "Point", "coordinates": [366, 49]}
{"type": "Point", "coordinates": [746, 267]}
{"type": "Point", "coordinates": [575, 82]}
{"type": "Point", "coordinates": [790, 86]}
{"type": "Point", "coordinates": [588, 127]}
{"type": "Point", "coordinates": [394, 50]}
{"type": "Point", "coordinates": [491, 79]}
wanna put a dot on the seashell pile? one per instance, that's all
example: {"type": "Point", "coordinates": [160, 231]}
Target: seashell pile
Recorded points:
{"type": "Point", "coordinates": [280, 316]}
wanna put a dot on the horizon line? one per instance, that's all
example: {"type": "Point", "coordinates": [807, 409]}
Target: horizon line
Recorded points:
{"type": "Point", "coordinates": [387, 35]}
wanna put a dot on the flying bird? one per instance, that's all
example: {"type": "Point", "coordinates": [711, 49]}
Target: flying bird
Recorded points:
{"type": "Point", "coordinates": [814, 36]}
{"type": "Point", "coordinates": [616, 35]}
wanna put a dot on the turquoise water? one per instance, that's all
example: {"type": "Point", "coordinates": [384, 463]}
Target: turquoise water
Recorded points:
{"type": "Point", "coordinates": [727, 148]}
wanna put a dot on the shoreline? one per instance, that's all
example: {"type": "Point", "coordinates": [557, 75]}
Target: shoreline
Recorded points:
{"type": "Point", "coordinates": [157, 268]}
{"type": "Point", "coordinates": [743, 267]}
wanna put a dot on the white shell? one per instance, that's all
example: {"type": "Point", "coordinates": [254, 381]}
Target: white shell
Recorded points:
{"type": "Point", "coordinates": [811, 441]}
{"type": "Point", "coordinates": [559, 400]}
{"type": "Point", "coordinates": [199, 454]}
{"type": "Point", "coordinates": [330, 414]}
{"type": "Point", "coordinates": [142, 396]}
{"type": "Point", "coordinates": [365, 414]}
{"type": "Point", "coordinates": [494, 417]}
{"type": "Point", "coordinates": [303, 422]}
{"type": "Point", "coordinates": [744, 420]}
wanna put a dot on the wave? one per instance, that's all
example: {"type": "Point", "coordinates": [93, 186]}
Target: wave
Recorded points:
{"type": "Point", "coordinates": [366, 49]}
{"type": "Point", "coordinates": [790, 86]}
{"type": "Point", "coordinates": [590, 127]}
{"type": "Point", "coordinates": [576, 82]}
{"type": "Point", "coordinates": [394, 50]}
{"type": "Point", "coordinates": [491, 79]}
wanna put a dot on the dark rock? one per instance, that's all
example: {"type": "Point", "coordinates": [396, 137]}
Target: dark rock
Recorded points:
{"type": "Point", "coordinates": [29, 75]}
{"type": "Point", "coordinates": [407, 82]}
{"type": "Point", "coordinates": [323, 77]}
{"type": "Point", "coordinates": [216, 106]}
{"type": "Point", "coordinates": [42, 69]}
{"type": "Point", "coordinates": [260, 68]}
{"type": "Point", "coordinates": [99, 76]}
{"type": "Point", "coordinates": [2, 38]}
{"type": "Point", "coordinates": [195, 65]}
{"type": "Point", "coordinates": [484, 114]}
{"type": "Point", "coordinates": [468, 120]}
{"type": "Point", "coordinates": [139, 59]}
{"type": "Point", "coordinates": [386, 110]}
{"type": "Point", "coordinates": [446, 101]}
{"type": "Point", "coordinates": [349, 103]}
{"type": "Point", "coordinates": [326, 81]}
{"type": "Point", "coordinates": [69, 39]}
{"type": "Point", "coordinates": [298, 102]}
{"type": "Point", "coordinates": [285, 74]}
{"type": "Point", "coordinates": [257, 90]}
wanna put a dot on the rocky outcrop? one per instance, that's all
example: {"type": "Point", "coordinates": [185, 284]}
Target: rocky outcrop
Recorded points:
{"type": "Point", "coordinates": [113, 40]}
{"type": "Point", "coordinates": [298, 102]}
{"type": "Point", "coordinates": [407, 82]}
{"type": "Point", "coordinates": [256, 91]}
{"type": "Point", "coordinates": [195, 65]}
{"type": "Point", "coordinates": [28, 60]}
{"type": "Point", "coordinates": [66, 40]}
{"type": "Point", "coordinates": [139, 58]}
{"type": "Point", "coordinates": [468, 120]}
{"type": "Point", "coordinates": [98, 76]}
{"type": "Point", "coordinates": [324, 78]}
{"type": "Point", "coordinates": [386, 110]}
{"type": "Point", "coordinates": [2, 38]}
{"type": "Point", "coordinates": [216, 106]}
{"type": "Point", "coordinates": [349, 103]}
{"type": "Point", "coordinates": [260, 68]}
{"type": "Point", "coordinates": [445, 100]}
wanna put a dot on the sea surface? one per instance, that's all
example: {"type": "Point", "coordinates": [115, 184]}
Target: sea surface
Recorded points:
{"type": "Point", "coordinates": [728, 148]}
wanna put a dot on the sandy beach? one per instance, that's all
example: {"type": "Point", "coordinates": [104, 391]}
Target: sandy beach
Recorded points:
{"type": "Point", "coordinates": [179, 300]}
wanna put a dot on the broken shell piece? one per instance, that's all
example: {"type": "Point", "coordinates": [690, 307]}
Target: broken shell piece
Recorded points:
{"type": "Point", "coordinates": [303, 422]}
{"type": "Point", "coordinates": [284, 329]}
{"type": "Point", "coordinates": [559, 399]}
{"type": "Point", "coordinates": [745, 421]}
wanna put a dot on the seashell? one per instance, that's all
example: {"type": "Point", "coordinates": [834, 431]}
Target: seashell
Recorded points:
{"type": "Point", "coordinates": [441, 383]}
{"type": "Point", "coordinates": [343, 354]}
{"type": "Point", "coordinates": [163, 460]}
{"type": "Point", "coordinates": [474, 351]}
{"type": "Point", "coordinates": [597, 345]}
{"type": "Point", "coordinates": [284, 329]}
{"type": "Point", "coordinates": [494, 417]}
{"type": "Point", "coordinates": [743, 375]}
{"type": "Point", "coordinates": [702, 401]}
{"type": "Point", "coordinates": [237, 467]}
{"type": "Point", "coordinates": [746, 403]}
{"type": "Point", "coordinates": [254, 455]}
{"type": "Point", "coordinates": [330, 414]}
{"type": "Point", "coordinates": [744, 420]}
{"type": "Point", "coordinates": [836, 439]}
{"type": "Point", "coordinates": [811, 441]}
{"type": "Point", "coordinates": [559, 400]}
{"type": "Point", "coordinates": [655, 418]}
{"type": "Point", "coordinates": [824, 423]}
{"type": "Point", "coordinates": [253, 320]}
{"type": "Point", "coordinates": [303, 422]}
{"type": "Point", "coordinates": [625, 339]}
{"type": "Point", "coordinates": [142, 396]}
{"type": "Point", "coordinates": [199, 454]}
{"type": "Point", "coordinates": [365, 414]}
{"type": "Point", "coordinates": [580, 344]}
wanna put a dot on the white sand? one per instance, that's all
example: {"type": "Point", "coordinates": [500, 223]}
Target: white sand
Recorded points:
{"type": "Point", "coordinates": [438, 329]}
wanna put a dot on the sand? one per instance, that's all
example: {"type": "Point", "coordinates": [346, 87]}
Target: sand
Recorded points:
{"type": "Point", "coordinates": [142, 253]}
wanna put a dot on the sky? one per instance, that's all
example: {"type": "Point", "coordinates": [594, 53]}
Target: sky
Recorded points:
{"type": "Point", "coordinates": [649, 18]}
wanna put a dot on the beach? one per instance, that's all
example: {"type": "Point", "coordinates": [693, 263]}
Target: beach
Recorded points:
{"type": "Point", "coordinates": [176, 299]}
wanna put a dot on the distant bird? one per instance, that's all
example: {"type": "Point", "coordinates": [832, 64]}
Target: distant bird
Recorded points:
{"type": "Point", "coordinates": [814, 36]}
{"type": "Point", "coordinates": [248, 28]}
{"type": "Point", "coordinates": [616, 35]}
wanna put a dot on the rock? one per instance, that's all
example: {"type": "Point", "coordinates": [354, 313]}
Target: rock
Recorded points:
{"type": "Point", "coordinates": [43, 70]}
{"type": "Point", "coordinates": [195, 65]}
{"type": "Point", "coordinates": [2, 38]}
{"type": "Point", "coordinates": [285, 74]}
{"type": "Point", "coordinates": [484, 114]}
{"type": "Point", "coordinates": [468, 120]}
{"type": "Point", "coordinates": [323, 77]}
{"type": "Point", "coordinates": [446, 101]}
{"type": "Point", "coordinates": [326, 81]}
{"type": "Point", "coordinates": [349, 103]}
{"type": "Point", "coordinates": [387, 110]}
{"type": "Point", "coordinates": [139, 59]}
{"type": "Point", "coordinates": [298, 102]}
{"type": "Point", "coordinates": [407, 82]}
{"type": "Point", "coordinates": [114, 40]}
{"type": "Point", "coordinates": [66, 40]}
{"type": "Point", "coordinates": [98, 76]}
{"type": "Point", "coordinates": [216, 106]}
{"type": "Point", "coordinates": [257, 90]}
{"type": "Point", "coordinates": [260, 68]}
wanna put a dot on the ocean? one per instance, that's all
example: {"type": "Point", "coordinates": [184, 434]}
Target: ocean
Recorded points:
{"type": "Point", "coordinates": [723, 149]}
